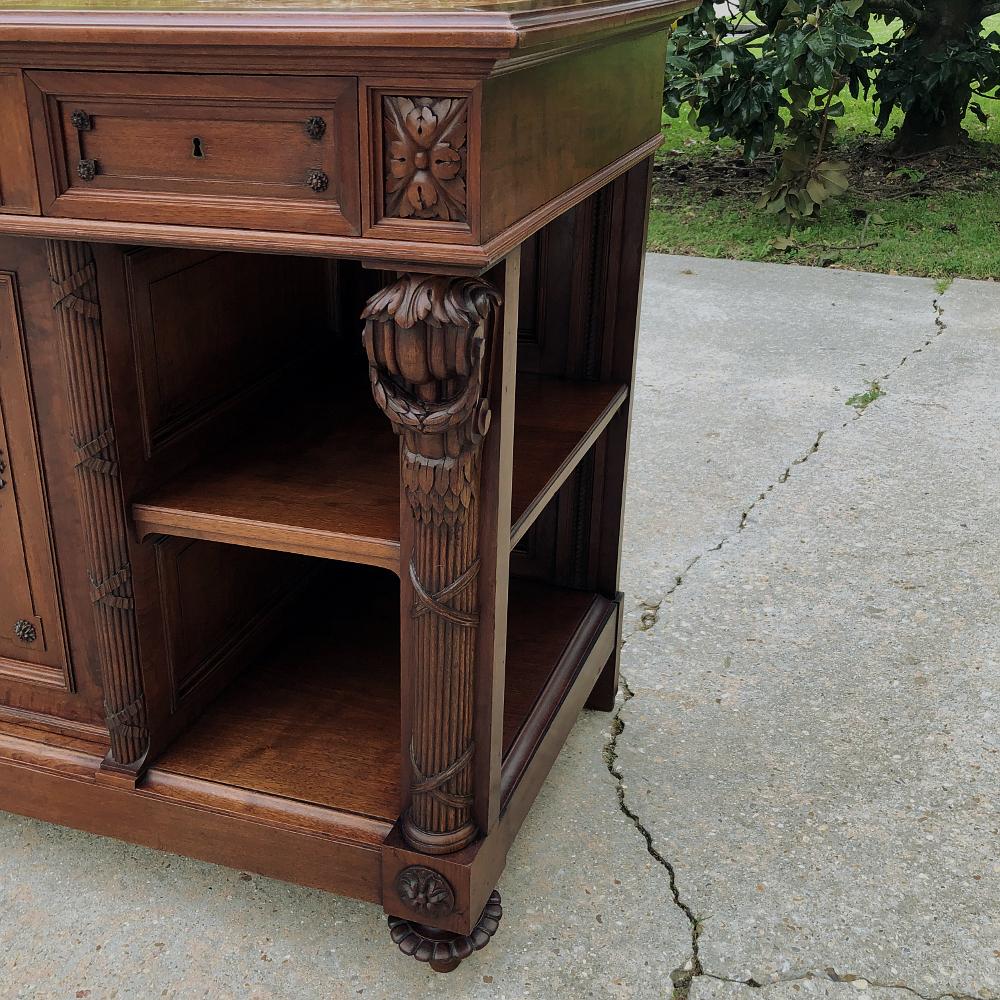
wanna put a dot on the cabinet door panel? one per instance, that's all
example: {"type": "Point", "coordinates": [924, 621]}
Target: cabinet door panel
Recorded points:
{"type": "Point", "coordinates": [31, 642]}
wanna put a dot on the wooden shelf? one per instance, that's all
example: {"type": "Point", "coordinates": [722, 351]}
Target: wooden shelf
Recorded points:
{"type": "Point", "coordinates": [555, 424]}
{"type": "Point", "coordinates": [324, 480]}
{"type": "Point", "coordinates": [317, 719]}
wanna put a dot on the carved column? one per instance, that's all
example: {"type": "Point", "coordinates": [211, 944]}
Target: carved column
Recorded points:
{"type": "Point", "coordinates": [102, 508]}
{"type": "Point", "coordinates": [427, 339]}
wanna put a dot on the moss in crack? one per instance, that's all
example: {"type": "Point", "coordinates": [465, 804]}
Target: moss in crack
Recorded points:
{"type": "Point", "coordinates": [863, 400]}
{"type": "Point", "coordinates": [609, 748]}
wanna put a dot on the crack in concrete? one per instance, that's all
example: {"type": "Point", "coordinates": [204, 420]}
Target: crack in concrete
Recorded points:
{"type": "Point", "coordinates": [780, 481]}
{"type": "Point", "coordinates": [848, 978]}
{"type": "Point", "coordinates": [684, 975]}
{"type": "Point", "coordinates": [651, 608]}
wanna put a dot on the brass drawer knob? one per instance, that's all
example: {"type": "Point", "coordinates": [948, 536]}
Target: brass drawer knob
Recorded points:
{"type": "Point", "coordinates": [24, 631]}
{"type": "Point", "coordinates": [317, 181]}
{"type": "Point", "coordinates": [87, 169]}
{"type": "Point", "coordinates": [315, 127]}
{"type": "Point", "coordinates": [81, 121]}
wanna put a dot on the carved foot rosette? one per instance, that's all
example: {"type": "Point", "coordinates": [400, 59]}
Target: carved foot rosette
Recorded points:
{"type": "Point", "coordinates": [446, 950]}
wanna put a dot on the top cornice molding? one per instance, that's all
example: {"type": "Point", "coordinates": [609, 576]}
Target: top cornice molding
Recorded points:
{"type": "Point", "coordinates": [495, 29]}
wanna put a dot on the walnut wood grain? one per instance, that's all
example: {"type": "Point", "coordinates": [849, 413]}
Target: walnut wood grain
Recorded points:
{"type": "Point", "coordinates": [216, 150]}
{"type": "Point", "coordinates": [488, 26]}
{"type": "Point", "coordinates": [18, 190]}
{"type": "Point", "coordinates": [553, 436]}
{"type": "Point", "coordinates": [317, 720]}
{"type": "Point", "coordinates": [197, 819]}
{"type": "Point", "coordinates": [51, 527]}
{"type": "Point", "coordinates": [434, 255]}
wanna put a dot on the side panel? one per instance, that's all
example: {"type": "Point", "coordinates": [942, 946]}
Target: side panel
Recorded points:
{"type": "Point", "coordinates": [52, 680]}
{"type": "Point", "coordinates": [31, 628]}
{"type": "Point", "coordinates": [550, 127]}
{"type": "Point", "coordinates": [18, 189]}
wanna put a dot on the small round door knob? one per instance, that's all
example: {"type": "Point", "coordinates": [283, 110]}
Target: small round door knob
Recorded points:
{"type": "Point", "coordinates": [315, 127]}
{"type": "Point", "coordinates": [317, 181]}
{"type": "Point", "coordinates": [24, 631]}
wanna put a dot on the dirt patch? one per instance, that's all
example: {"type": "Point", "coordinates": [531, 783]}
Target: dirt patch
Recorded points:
{"type": "Point", "coordinates": [705, 171]}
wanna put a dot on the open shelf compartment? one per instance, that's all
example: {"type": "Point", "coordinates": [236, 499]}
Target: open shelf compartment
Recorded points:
{"type": "Point", "coordinates": [315, 719]}
{"type": "Point", "coordinates": [323, 479]}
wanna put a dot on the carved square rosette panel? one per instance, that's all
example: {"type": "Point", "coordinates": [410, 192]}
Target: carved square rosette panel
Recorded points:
{"type": "Point", "coordinates": [424, 164]}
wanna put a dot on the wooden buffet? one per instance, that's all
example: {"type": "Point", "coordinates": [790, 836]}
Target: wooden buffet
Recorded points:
{"type": "Point", "coordinates": [274, 594]}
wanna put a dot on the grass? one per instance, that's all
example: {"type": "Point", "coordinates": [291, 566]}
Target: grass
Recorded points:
{"type": "Point", "coordinates": [917, 230]}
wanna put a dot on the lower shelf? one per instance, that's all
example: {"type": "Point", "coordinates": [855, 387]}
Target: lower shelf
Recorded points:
{"type": "Point", "coordinates": [295, 776]}
{"type": "Point", "coordinates": [317, 720]}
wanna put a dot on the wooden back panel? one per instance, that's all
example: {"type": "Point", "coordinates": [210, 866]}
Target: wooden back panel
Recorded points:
{"type": "Point", "coordinates": [203, 347]}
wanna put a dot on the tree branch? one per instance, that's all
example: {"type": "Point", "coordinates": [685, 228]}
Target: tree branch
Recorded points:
{"type": "Point", "coordinates": [900, 8]}
{"type": "Point", "coordinates": [750, 36]}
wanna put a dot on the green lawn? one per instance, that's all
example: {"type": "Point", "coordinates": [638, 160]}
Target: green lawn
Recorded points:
{"type": "Point", "coordinates": [938, 232]}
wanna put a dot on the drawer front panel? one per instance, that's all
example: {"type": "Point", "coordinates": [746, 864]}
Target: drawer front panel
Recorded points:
{"type": "Point", "coordinates": [237, 152]}
{"type": "Point", "coordinates": [31, 642]}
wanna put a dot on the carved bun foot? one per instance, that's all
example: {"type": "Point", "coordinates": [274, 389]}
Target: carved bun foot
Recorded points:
{"type": "Point", "coordinates": [445, 951]}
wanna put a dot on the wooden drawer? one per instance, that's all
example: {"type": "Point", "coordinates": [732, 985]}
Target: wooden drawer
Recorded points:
{"type": "Point", "coordinates": [275, 153]}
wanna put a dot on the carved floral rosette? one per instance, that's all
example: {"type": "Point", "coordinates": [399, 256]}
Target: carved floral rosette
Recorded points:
{"type": "Point", "coordinates": [426, 142]}
{"type": "Point", "coordinates": [426, 892]}
{"type": "Point", "coordinates": [426, 339]}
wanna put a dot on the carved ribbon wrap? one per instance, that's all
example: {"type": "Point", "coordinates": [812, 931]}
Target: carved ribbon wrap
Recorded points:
{"type": "Point", "coordinates": [427, 338]}
{"type": "Point", "coordinates": [102, 505]}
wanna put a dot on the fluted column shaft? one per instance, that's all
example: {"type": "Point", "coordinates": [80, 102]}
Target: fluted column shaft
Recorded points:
{"type": "Point", "coordinates": [427, 338]}
{"type": "Point", "coordinates": [99, 491]}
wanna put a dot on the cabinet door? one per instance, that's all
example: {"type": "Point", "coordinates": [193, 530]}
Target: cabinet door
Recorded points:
{"type": "Point", "coordinates": [31, 640]}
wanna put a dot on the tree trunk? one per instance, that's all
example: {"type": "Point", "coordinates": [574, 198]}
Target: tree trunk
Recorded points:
{"type": "Point", "coordinates": [936, 122]}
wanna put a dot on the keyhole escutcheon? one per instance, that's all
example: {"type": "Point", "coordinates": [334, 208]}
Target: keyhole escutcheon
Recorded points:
{"type": "Point", "coordinates": [197, 150]}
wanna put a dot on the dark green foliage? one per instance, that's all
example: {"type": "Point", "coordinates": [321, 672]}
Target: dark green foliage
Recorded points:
{"type": "Point", "coordinates": [909, 77]}
{"type": "Point", "coordinates": [774, 73]}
